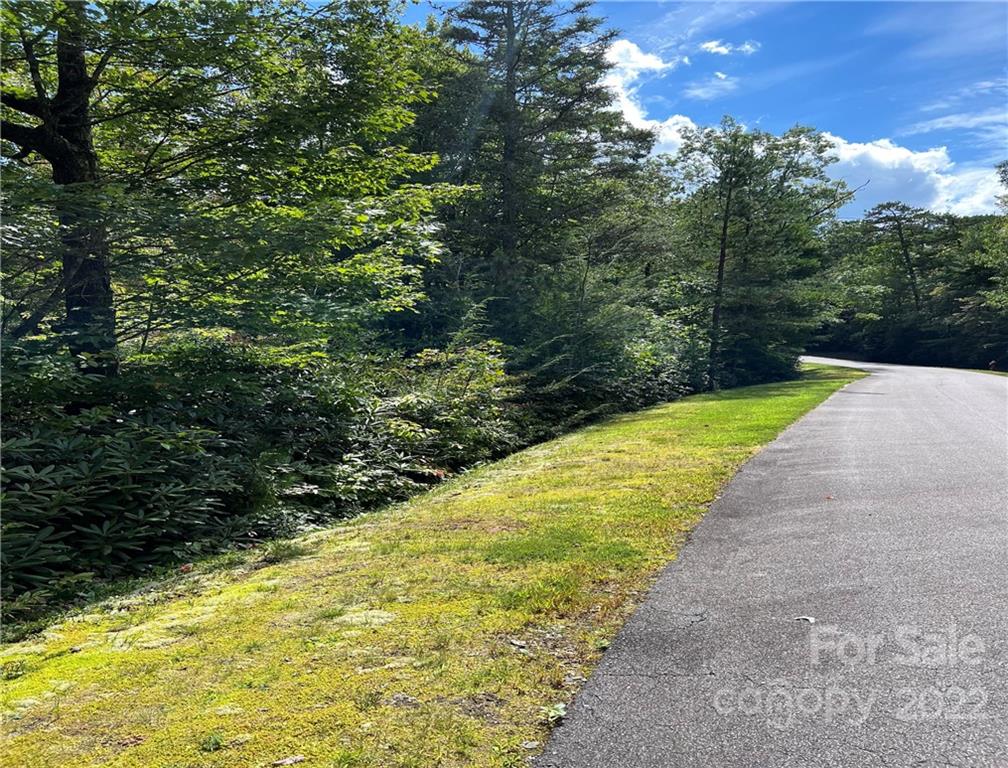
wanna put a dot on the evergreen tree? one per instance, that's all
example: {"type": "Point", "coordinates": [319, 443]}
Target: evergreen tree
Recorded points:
{"type": "Point", "coordinates": [533, 127]}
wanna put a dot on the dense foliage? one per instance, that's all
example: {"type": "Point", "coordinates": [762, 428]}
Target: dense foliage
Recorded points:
{"type": "Point", "coordinates": [210, 442]}
{"type": "Point", "coordinates": [919, 287]}
{"type": "Point", "coordinates": [275, 262]}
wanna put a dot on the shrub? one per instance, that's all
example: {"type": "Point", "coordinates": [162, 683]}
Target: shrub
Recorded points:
{"type": "Point", "coordinates": [108, 496]}
{"type": "Point", "coordinates": [458, 395]}
{"type": "Point", "coordinates": [207, 442]}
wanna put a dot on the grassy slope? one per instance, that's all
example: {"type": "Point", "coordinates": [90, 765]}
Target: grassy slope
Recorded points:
{"type": "Point", "coordinates": [438, 632]}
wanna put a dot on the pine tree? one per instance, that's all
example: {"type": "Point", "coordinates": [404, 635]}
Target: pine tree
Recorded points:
{"type": "Point", "coordinates": [534, 124]}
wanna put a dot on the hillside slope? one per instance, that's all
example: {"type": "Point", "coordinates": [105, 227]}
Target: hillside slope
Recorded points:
{"type": "Point", "coordinates": [446, 631]}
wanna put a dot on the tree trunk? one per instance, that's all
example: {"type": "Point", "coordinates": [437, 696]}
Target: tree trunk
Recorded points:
{"type": "Point", "coordinates": [908, 264]}
{"type": "Point", "coordinates": [509, 156]}
{"type": "Point", "coordinates": [90, 315]}
{"type": "Point", "coordinates": [714, 356]}
{"type": "Point", "coordinates": [89, 327]}
{"type": "Point", "coordinates": [64, 139]}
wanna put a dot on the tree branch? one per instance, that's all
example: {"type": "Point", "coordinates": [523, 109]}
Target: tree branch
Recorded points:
{"type": "Point", "coordinates": [33, 68]}
{"type": "Point", "coordinates": [30, 105]}
{"type": "Point", "coordinates": [839, 198]}
{"type": "Point", "coordinates": [102, 63]}
{"type": "Point", "coordinates": [25, 136]}
{"type": "Point", "coordinates": [31, 323]}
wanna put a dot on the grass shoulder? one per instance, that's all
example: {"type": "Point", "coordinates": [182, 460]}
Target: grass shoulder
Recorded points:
{"type": "Point", "coordinates": [449, 630]}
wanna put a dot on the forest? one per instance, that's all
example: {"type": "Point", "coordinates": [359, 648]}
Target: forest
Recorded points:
{"type": "Point", "coordinates": [267, 265]}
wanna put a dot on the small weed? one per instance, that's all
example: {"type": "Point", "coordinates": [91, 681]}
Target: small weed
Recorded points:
{"type": "Point", "coordinates": [282, 550]}
{"type": "Point", "coordinates": [348, 759]}
{"type": "Point", "coordinates": [554, 713]}
{"type": "Point", "coordinates": [212, 742]}
{"type": "Point", "coordinates": [12, 670]}
{"type": "Point", "coordinates": [256, 685]}
{"type": "Point", "coordinates": [365, 700]}
{"type": "Point", "coordinates": [330, 613]}
{"type": "Point", "coordinates": [186, 630]}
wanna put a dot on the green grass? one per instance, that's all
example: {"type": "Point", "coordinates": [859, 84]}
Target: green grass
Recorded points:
{"type": "Point", "coordinates": [445, 631]}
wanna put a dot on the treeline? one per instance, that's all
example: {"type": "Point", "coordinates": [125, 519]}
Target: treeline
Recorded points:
{"type": "Point", "coordinates": [270, 263]}
{"type": "Point", "coordinates": [913, 286]}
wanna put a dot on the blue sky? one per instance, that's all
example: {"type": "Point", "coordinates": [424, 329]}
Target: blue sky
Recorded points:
{"type": "Point", "coordinates": [914, 94]}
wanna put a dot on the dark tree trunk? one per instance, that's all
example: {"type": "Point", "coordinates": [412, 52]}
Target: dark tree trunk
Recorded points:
{"type": "Point", "coordinates": [89, 327]}
{"type": "Point", "coordinates": [509, 157]}
{"type": "Point", "coordinates": [714, 355]}
{"type": "Point", "coordinates": [87, 287]}
{"type": "Point", "coordinates": [64, 139]}
{"type": "Point", "coordinates": [908, 264]}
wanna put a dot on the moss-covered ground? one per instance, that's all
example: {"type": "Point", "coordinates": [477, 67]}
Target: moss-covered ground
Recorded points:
{"type": "Point", "coordinates": [446, 631]}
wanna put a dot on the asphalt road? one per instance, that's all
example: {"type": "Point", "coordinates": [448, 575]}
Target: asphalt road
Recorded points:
{"type": "Point", "coordinates": [883, 516]}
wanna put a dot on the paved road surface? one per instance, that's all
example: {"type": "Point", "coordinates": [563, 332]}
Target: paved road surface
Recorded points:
{"type": "Point", "coordinates": [883, 515]}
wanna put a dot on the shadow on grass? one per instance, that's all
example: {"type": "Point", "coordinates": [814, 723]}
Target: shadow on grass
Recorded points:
{"type": "Point", "coordinates": [157, 585]}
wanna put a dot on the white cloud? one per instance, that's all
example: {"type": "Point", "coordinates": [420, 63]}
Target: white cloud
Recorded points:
{"type": "Point", "coordinates": [983, 89]}
{"type": "Point", "coordinates": [925, 178]}
{"type": "Point", "coordinates": [630, 62]}
{"type": "Point", "coordinates": [630, 65]}
{"type": "Point", "coordinates": [715, 46]}
{"type": "Point", "coordinates": [685, 23]}
{"type": "Point", "coordinates": [711, 88]}
{"type": "Point", "coordinates": [987, 130]}
{"type": "Point", "coordinates": [886, 154]}
{"type": "Point", "coordinates": [962, 121]}
{"type": "Point", "coordinates": [670, 132]}
{"type": "Point", "coordinates": [944, 31]}
{"type": "Point", "coordinates": [720, 48]}
{"type": "Point", "coordinates": [970, 191]}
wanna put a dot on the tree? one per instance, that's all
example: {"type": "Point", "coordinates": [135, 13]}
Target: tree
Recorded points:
{"type": "Point", "coordinates": [1002, 172]}
{"type": "Point", "coordinates": [902, 229]}
{"type": "Point", "coordinates": [753, 207]}
{"type": "Point", "coordinates": [209, 164]}
{"type": "Point", "coordinates": [523, 86]}
{"type": "Point", "coordinates": [604, 335]}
